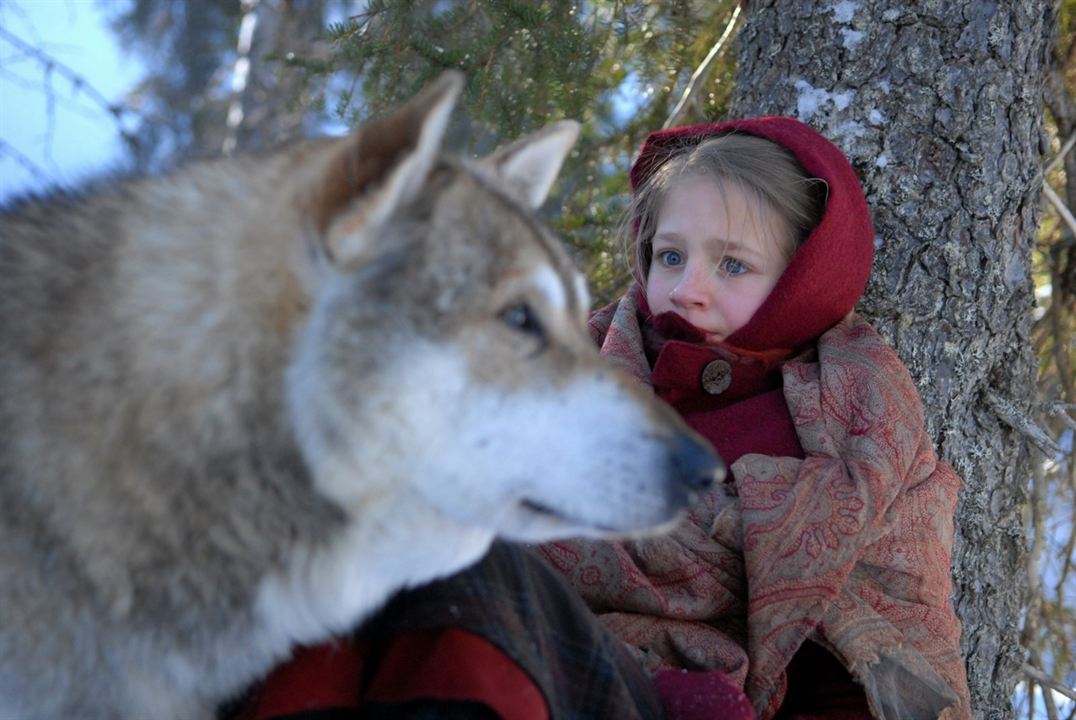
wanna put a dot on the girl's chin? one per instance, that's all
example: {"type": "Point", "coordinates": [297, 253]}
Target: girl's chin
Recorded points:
{"type": "Point", "coordinates": [714, 338]}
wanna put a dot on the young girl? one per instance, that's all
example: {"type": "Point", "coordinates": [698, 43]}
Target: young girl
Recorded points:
{"type": "Point", "coordinates": [817, 581]}
{"type": "Point", "coordinates": [827, 579]}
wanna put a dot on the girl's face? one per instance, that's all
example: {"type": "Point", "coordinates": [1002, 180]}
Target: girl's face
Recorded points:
{"type": "Point", "coordinates": [716, 255]}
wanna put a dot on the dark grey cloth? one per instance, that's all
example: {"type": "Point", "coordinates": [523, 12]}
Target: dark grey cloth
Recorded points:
{"type": "Point", "coordinates": [515, 601]}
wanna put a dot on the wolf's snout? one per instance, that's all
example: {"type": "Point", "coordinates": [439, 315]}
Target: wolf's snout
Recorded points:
{"type": "Point", "coordinates": [695, 465]}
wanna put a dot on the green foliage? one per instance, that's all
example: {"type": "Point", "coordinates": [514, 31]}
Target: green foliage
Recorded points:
{"type": "Point", "coordinates": [617, 67]}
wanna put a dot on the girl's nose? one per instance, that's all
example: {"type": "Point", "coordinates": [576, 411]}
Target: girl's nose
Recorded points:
{"type": "Point", "coordinates": [693, 290]}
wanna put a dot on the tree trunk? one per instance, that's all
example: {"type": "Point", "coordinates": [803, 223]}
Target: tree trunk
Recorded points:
{"type": "Point", "coordinates": [277, 99]}
{"type": "Point", "coordinates": [939, 107]}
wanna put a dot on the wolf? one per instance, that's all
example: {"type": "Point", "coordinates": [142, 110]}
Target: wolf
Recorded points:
{"type": "Point", "coordinates": [244, 403]}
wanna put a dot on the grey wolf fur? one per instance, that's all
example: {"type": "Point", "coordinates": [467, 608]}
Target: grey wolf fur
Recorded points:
{"type": "Point", "coordinates": [242, 404]}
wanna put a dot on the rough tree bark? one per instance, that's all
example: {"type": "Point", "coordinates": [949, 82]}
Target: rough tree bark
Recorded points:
{"type": "Point", "coordinates": [939, 106]}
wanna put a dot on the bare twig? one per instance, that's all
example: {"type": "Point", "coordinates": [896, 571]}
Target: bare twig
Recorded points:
{"type": "Point", "coordinates": [1066, 566]}
{"type": "Point", "coordinates": [1060, 410]}
{"type": "Point", "coordinates": [702, 71]}
{"type": "Point", "coordinates": [52, 65]}
{"type": "Point", "coordinates": [1019, 421]}
{"type": "Point", "coordinates": [1059, 205]}
{"type": "Point", "coordinates": [27, 164]}
{"type": "Point", "coordinates": [1046, 681]}
{"type": "Point", "coordinates": [1060, 157]}
{"type": "Point", "coordinates": [51, 68]}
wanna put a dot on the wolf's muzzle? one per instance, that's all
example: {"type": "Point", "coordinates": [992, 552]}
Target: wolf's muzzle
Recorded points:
{"type": "Point", "coordinates": [695, 466]}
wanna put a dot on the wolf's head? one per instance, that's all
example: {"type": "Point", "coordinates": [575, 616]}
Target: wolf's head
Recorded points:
{"type": "Point", "coordinates": [446, 362]}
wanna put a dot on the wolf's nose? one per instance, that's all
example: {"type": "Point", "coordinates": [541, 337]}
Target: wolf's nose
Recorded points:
{"type": "Point", "coordinates": [695, 464]}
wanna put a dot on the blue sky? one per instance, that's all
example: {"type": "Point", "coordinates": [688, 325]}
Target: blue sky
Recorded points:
{"type": "Point", "coordinates": [44, 118]}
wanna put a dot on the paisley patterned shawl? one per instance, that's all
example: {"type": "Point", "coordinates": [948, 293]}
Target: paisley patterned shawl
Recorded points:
{"type": "Point", "coordinates": [849, 547]}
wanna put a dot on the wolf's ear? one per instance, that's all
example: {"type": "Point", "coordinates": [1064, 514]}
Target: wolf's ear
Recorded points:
{"type": "Point", "coordinates": [529, 166]}
{"type": "Point", "coordinates": [383, 166]}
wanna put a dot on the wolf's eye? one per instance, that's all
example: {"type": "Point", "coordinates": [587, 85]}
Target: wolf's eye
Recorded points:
{"type": "Point", "coordinates": [522, 318]}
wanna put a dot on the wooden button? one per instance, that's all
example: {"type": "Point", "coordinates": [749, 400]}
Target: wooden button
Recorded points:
{"type": "Point", "coordinates": [716, 377]}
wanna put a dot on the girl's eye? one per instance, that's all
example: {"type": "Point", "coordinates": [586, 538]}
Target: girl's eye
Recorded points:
{"type": "Point", "coordinates": [732, 266]}
{"type": "Point", "coordinates": [670, 258]}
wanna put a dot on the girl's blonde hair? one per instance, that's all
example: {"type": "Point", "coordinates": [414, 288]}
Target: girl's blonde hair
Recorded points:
{"type": "Point", "coordinates": [764, 171]}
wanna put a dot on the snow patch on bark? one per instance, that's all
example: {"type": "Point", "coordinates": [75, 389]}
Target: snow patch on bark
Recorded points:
{"type": "Point", "coordinates": [844, 10]}
{"type": "Point", "coordinates": [810, 100]}
{"type": "Point", "coordinates": [852, 38]}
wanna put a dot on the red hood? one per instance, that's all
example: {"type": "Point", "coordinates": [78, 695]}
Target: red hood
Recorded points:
{"type": "Point", "coordinates": [829, 272]}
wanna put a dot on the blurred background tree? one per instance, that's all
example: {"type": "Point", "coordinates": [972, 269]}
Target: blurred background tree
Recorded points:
{"type": "Point", "coordinates": [617, 67]}
{"type": "Point", "coordinates": [235, 75]}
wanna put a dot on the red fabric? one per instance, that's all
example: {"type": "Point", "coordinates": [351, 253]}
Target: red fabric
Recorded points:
{"type": "Point", "coordinates": [453, 664]}
{"type": "Point", "coordinates": [819, 288]}
{"type": "Point", "coordinates": [319, 677]}
{"type": "Point", "coordinates": [447, 664]}
{"type": "Point", "coordinates": [749, 416]}
{"type": "Point", "coordinates": [757, 425]}
{"type": "Point", "coordinates": [848, 545]}
{"type": "Point", "coordinates": [701, 696]}
{"type": "Point", "coordinates": [829, 272]}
